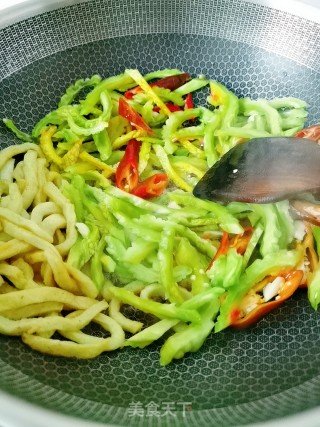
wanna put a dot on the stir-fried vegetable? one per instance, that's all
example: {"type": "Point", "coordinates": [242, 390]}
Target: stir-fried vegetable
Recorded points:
{"type": "Point", "coordinates": [126, 227]}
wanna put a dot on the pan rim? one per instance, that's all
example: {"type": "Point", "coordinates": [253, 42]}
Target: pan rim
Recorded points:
{"type": "Point", "coordinates": [37, 416]}
{"type": "Point", "coordinates": [30, 8]}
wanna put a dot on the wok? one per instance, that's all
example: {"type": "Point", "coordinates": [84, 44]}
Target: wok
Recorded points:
{"type": "Point", "coordinates": [269, 374]}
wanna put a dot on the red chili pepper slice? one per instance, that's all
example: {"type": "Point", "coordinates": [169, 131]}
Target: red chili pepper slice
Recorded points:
{"type": "Point", "coordinates": [171, 107]}
{"type": "Point", "coordinates": [312, 133]}
{"type": "Point", "coordinates": [292, 283]}
{"type": "Point", "coordinates": [127, 176]}
{"type": "Point", "coordinates": [151, 187]}
{"type": "Point", "coordinates": [126, 111]}
{"type": "Point", "coordinates": [188, 103]}
{"type": "Point", "coordinates": [170, 82]}
{"type": "Point", "coordinates": [129, 94]}
{"type": "Point", "coordinates": [223, 248]}
{"type": "Point", "coordinates": [241, 241]}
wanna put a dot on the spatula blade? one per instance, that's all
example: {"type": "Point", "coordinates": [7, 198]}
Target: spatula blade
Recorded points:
{"type": "Point", "coordinates": [263, 170]}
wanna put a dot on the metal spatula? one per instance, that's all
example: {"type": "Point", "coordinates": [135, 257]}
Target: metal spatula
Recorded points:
{"type": "Point", "coordinates": [263, 170]}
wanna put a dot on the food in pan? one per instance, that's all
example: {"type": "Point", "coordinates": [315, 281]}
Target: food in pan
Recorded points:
{"type": "Point", "coordinates": [98, 224]}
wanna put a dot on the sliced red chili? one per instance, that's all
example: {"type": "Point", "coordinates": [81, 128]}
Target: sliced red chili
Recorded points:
{"type": "Point", "coordinates": [170, 82]}
{"type": "Point", "coordinates": [171, 107]}
{"type": "Point", "coordinates": [188, 102]}
{"type": "Point", "coordinates": [292, 283]}
{"type": "Point", "coordinates": [126, 111]}
{"type": "Point", "coordinates": [241, 241]}
{"type": "Point", "coordinates": [152, 186]}
{"type": "Point", "coordinates": [127, 176]}
{"type": "Point", "coordinates": [223, 248]}
{"type": "Point", "coordinates": [312, 133]}
{"type": "Point", "coordinates": [129, 94]}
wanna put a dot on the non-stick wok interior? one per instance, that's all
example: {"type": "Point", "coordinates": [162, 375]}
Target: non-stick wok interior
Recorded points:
{"type": "Point", "coordinates": [238, 377]}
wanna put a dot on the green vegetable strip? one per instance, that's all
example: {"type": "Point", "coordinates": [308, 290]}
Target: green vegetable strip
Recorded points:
{"type": "Point", "coordinates": [192, 148]}
{"type": "Point", "coordinates": [165, 257]}
{"type": "Point", "coordinates": [287, 103]}
{"type": "Point", "coordinates": [204, 297]}
{"type": "Point", "coordinates": [73, 192]}
{"type": "Point", "coordinates": [255, 238]}
{"type": "Point", "coordinates": [110, 83]}
{"type": "Point", "coordinates": [123, 207]}
{"type": "Point", "coordinates": [106, 103]}
{"type": "Point", "coordinates": [163, 158]}
{"type": "Point", "coordinates": [151, 334]}
{"type": "Point", "coordinates": [180, 273]}
{"type": "Point", "coordinates": [314, 285]}
{"type": "Point", "coordinates": [293, 118]}
{"type": "Point", "coordinates": [191, 86]}
{"type": "Point", "coordinates": [199, 163]}
{"type": "Point", "coordinates": [188, 340]}
{"type": "Point", "coordinates": [154, 223]}
{"type": "Point", "coordinates": [84, 248]}
{"type": "Point", "coordinates": [191, 338]}
{"type": "Point", "coordinates": [96, 126]}
{"type": "Point", "coordinates": [271, 115]}
{"type": "Point", "coordinates": [139, 230]}
{"type": "Point", "coordinates": [242, 132]}
{"type": "Point", "coordinates": [77, 123]}
{"type": "Point", "coordinates": [186, 168]}
{"type": "Point", "coordinates": [286, 223]}
{"type": "Point", "coordinates": [129, 272]}
{"type": "Point", "coordinates": [96, 272]}
{"type": "Point", "coordinates": [135, 201]}
{"type": "Point", "coordinates": [114, 157]}
{"type": "Point", "coordinates": [227, 221]}
{"type": "Point", "coordinates": [293, 131]}
{"type": "Point", "coordinates": [160, 74]}
{"type": "Point", "coordinates": [218, 271]}
{"type": "Point", "coordinates": [117, 126]}
{"type": "Point", "coordinates": [202, 245]}
{"type": "Point", "coordinates": [169, 96]}
{"type": "Point", "coordinates": [123, 139]}
{"type": "Point", "coordinates": [147, 113]}
{"type": "Point", "coordinates": [209, 145]}
{"type": "Point", "coordinates": [150, 140]}
{"type": "Point", "coordinates": [258, 122]}
{"type": "Point", "coordinates": [163, 311]}
{"type": "Point", "coordinates": [103, 144]}
{"type": "Point", "coordinates": [227, 102]}
{"type": "Point", "coordinates": [144, 156]}
{"type": "Point", "coordinates": [139, 251]}
{"type": "Point", "coordinates": [115, 247]}
{"type": "Point", "coordinates": [73, 90]}
{"type": "Point", "coordinates": [188, 132]}
{"type": "Point", "coordinates": [234, 268]}
{"type": "Point", "coordinates": [19, 134]}
{"type": "Point", "coordinates": [174, 122]}
{"type": "Point", "coordinates": [272, 232]}
{"type": "Point", "coordinates": [314, 290]}
{"type": "Point", "coordinates": [316, 235]}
